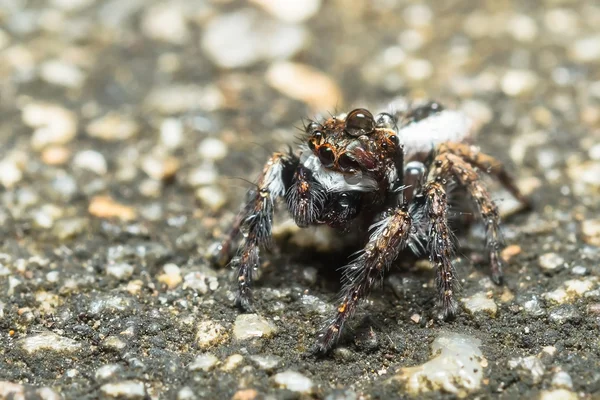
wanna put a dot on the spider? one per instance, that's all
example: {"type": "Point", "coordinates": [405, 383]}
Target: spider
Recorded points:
{"type": "Point", "coordinates": [392, 173]}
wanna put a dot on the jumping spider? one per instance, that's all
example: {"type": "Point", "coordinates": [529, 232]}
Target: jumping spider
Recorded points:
{"type": "Point", "coordinates": [394, 174]}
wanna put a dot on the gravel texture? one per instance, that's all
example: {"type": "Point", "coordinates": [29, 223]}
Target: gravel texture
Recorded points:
{"type": "Point", "coordinates": [128, 130]}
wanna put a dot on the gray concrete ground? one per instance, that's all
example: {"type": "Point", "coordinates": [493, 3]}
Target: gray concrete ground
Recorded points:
{"type": "Point", "coordinates": [125, 125]}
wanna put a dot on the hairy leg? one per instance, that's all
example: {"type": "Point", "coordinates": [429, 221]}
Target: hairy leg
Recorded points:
{"type": "Point", "coordinates": [255, 221]}
{"type": "Point", "coordinates": [440, 242]}
{"type": "Point", "coordinates": [389, 238]}
{"type": "Point", "coordinates": [468, 177]}
{"type": "Point", "coordinates": [486, 163]}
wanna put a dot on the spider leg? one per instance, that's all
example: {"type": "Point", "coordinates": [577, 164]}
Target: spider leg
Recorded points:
{"type": "Point", "coordinates": [256, 220]}
{"type": "Point", "coordinates": [440, 241]}
{"type": "Point", "coordinates": [469, 178]}
{"type": "Point", "coordinates": [387, 240]}
{"type": "Point", "coordinates": [489, 165]}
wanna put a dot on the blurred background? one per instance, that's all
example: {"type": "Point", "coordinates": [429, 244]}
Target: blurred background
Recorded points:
{"type": "Point", "coordinates": [125, 125]}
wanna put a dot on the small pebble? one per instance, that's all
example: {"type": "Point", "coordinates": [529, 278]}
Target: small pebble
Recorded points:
{"type": "Point", "coordinates": [210, 333]}
{"type": "Point", "coordinates": [211, 197]}
{"type": "Point", "coordinates": [53, 124]}
{"type": "Point", "coordinates": [124, 390]}
{"type": "Point", "coordinates": [290, 11]}
{"type": "Point", "coordinates": [166, 22]}
{"type": "Point", "coordinates": [480, 302]}
{"type": "Point", "coordinates": [121, 271]}
{"type": "Point", "coordinates": [106, 207]}
{"type": "Point", "coordinates": [266, 362]}
{"type": "Point", "coordinates": [249, 326]}
{"type": "Point", "coordinates": [114, 343]}
{"type": "Point", "coordinates": [171, 276]}
{"type": "Point", "coordinates": [558, 394]}
{"type": "Point", "coordinates": [232, 362]}
{"type": "Point", "coordinates": [245, 37]}
{"type": "Point", "coordinates": [305, 83]}
{"type": "Point", "coordinates": [517, 82]}
{"type": "Point", "coordinates": [108, 371]}
{"type": "Point", "coordinates": [171, 133]}
{"type": "Point", "coordinates": [294, 381]}
{"type": "Point", "coordinates": [55, 155]}
{"type": "Point", "coordinates": [564, 313]}
{"type": "Point", "coordinates": [587, 49]}
{"type": "Point", "coordinates": [61, 73]}
{"type": "Point", "coordinates": [113, 127]}
{"type": "Point", "coordinates": [245, 394]}
{"type": "Point", "coordinates": [550, 261]}
{"type": "Point", "coordinates": [48, 341]}
{"type": "Point", "coordinates": [457, 367]}
{"type": "Point", "coordinates": [203, 362]}
{"type": "Point", "coordinates": [590, 228]}
{"type": "Point", "coordinates": [563, 380]}
{"type": "Point", "coordinates": [92, 161]}
{"type": "Point", "coordinates": [212, 149]}
{"type": "Point", "coordinates": [531, 365]}
{"type": "Point", "coordinates": [160, 167]}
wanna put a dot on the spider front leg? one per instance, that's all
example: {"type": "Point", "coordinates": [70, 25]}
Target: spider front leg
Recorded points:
{"type": "Point", "coordinates": [389, 238]}
{"type": "Point", "coordinates": [489, 165]}
{"type": "Point", "coordinates": [440, 243]}
{"type": "Point", "coordinates": [256, 220]}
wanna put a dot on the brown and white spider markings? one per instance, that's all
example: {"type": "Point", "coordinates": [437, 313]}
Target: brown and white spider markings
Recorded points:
{"type": "Point", "coordinates": [392, 173]}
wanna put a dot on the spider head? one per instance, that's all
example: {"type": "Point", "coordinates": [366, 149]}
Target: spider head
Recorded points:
{"type": "Point", "coordinates": [353, 142]}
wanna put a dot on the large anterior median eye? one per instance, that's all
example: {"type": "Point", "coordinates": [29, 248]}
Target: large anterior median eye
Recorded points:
{"type": "Point", "coordinates": [359, 122]}
{"type": "Point", "coordinates": [326, 156]}
{"type": "Point", "coordinates": [347, 164]}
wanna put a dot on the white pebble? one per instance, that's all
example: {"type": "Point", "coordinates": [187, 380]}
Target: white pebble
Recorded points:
{"type": "Point", "coordinates": [516, 82]}
{"type": "Point", "coordinates": [550, 261]}
{"type": "Point", "coordinates": [245, 37]}
{"type": "Point", "coordinates": [49, 341]}
{"type": "Point", "coordinates": [232, 362]}
{"type": "Point", "coordinates": [166, 22]}
{"type": "Point", "coordinates": [558, 394]}
{"type": "Point", "coordinates": [480, 302]}
{"type": "Point", "coordinates": [212, 149]}
{"type": "Point", "coordinates": [171, 133]}
{"type": "Point", "coordinates": [120, 271]}
{"type": "Point", "coordinates": [113, 127]}
{"type": "Point", "coordinates": [563, 380]}
{"type": "Point", "coordinates": [294, 381]}
{"type": "Point", "coordinates": [211, 197]}
{"type": "Point", "coordinates": [418, 69]}
{"type": "Point", "coordinates": [107, 371]}
{"type": "Point", "coordinates": [92, 161]}
{"type": "Point", "coordinates": [522, 27]}
{"type": "Point", "coordinates": [61, 73]}
{"type": "Point", "coordinates": [203, 362]}
{"type": "Point", "coordinates": [290, 11]}
{"type": "Point", "coordinates": [124, 389]}
{"type": "Point", "coordinates": [10, 173]}
{"type": "Point", "coordinates": [249, 326]}
{"type": "Point", "coordinates": [587, 49]}
{"type": "Point", "coordinates": [53, 124]}
{"type": "Point", "coordinates": [209, 333]}
{"type": "Point", "coordinates": [457, 367]}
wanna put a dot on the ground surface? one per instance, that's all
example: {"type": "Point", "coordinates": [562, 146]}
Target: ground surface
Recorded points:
{"type": "Point", "coordinates": [123, 126]}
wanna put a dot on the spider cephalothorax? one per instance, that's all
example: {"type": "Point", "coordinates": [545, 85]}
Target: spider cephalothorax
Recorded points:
{"type": "Point", "coordinates": [393, 174]}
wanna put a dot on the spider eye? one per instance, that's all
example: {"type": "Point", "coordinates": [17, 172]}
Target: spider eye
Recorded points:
{"type": "Point", "coordinates": [385, 120]}
{"type": "Point", "coordinates": [359, 122]}
{"type": "Point", "coordinates": [346, 163]}
{"type": "Point", "coordinates": [312, 127]}
{"type": "Point", "coordinates": [326, 156]}
{"type": "Point", "coordinates": [394, 139]}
